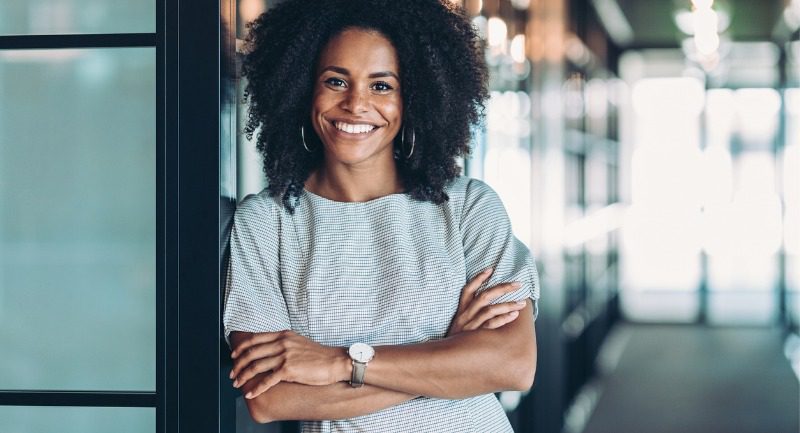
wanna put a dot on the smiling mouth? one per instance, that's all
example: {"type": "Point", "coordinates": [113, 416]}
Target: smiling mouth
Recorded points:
{"type": "Point", "coordinates": [354, 128]}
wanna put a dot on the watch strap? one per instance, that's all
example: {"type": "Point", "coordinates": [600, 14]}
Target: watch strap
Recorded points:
{"type": "Point", "coordinates": [359, 369]}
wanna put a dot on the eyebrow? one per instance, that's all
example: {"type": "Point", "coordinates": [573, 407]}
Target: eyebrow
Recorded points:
{"type": "Point", "coordinates": [344, 71]}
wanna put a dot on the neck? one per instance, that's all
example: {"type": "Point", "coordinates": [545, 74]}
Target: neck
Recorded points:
{"type": "Point", "coordinates": [354, 184]}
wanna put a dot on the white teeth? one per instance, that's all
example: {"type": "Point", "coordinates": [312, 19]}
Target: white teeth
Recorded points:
{"type": "Point", "coordinates": [353, 129]}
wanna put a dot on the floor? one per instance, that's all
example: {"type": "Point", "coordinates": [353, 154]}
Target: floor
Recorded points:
{"type": "Point", "coordinates": [692, 379]}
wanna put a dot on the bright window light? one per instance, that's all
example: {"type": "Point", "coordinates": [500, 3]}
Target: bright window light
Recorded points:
{"type": "Point", "coordinates": [720, 117]}
{"type": "Point", "coordinates": [791, 175]}
{"type": "Point", "coordinates": [791, 196]}
{"type": "Point", "coordinates": [666, 178]}
{"type": "Point", "coordinates": [791, 231]}
{"type": "Point", "coordinates": [673, 97]}
{"type": "Point", "coordinates": [716, 176]}
{"type": "Point", "coordinates": [751, 224]}
{"type": "Point", "coordinates": [757, 113]}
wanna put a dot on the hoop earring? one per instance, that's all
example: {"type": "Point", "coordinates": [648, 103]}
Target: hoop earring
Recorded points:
{"type": "Point", "coordinates": [303, 137]}
{"type": "Point", "coordinates": [413, 141]}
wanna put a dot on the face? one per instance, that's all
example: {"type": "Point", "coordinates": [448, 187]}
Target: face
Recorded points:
{"type": "Point", "coordinates": [357, 106]}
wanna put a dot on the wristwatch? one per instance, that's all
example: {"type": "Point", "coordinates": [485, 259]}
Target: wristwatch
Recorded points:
{"type": "Point", "coordinates": [360, 354]}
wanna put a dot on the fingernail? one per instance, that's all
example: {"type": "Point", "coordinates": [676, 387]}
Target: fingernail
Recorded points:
{"type": "Point", "coordinates": [516, 284]}
{"type": "Point", "coordinates": [231, 376]}
{"type": "Point", "coordinates": [487, 271]}
{"type": "Point", "coordinates": [514, 313]}
{"type": "Point", "coordinates": [236, 383]}
{"type": "Point", "coordinates": [248, 395]}
{"type": "Point", "coordinates": [520, 302]}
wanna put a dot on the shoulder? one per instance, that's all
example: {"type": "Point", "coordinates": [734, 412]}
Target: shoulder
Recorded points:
{"type": "Point", "coordinates": [467, 188]}
{"type": "Point", "coordinates": [257, 209]}
{"type": "Point", "coordinates": [473, 200]}
{"type": "Point", "coordinates": [466, 192]}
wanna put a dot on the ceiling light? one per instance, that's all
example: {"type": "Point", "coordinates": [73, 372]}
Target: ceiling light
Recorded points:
{"type": "Point", "coordinates": [702, 4]}
{"type": "Point", "coordinates": [706, 42]}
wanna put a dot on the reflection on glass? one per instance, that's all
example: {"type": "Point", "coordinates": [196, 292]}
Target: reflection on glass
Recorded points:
{"type": "Point", "coordinates": [77, 224]}
{"type": "Point", "coordinates": [15, 419]}
{"type": "Point", "coordinates": [22, 17]}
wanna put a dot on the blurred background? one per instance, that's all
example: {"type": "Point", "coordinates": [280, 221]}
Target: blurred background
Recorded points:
{"type": "Point", "coordinates": [647, 151]}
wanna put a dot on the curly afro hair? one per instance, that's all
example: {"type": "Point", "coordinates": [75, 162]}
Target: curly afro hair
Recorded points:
{"type": "Point", "coordinates": [443, 80]}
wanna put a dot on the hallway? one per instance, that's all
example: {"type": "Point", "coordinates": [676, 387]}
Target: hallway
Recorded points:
{"type": "Point", "coordinates": [694, 379]}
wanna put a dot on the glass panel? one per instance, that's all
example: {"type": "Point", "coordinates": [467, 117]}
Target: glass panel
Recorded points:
{"type": "Point", "coordinates": [16, 419]}
{"type": "Point", "coordinates": [77, 16]}
{"type": "Point", "coordinates": [77, 221]}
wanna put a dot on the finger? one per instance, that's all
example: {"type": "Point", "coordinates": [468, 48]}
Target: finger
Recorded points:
{"type": "Point", "coordinates": [487, 296]}
{"type": "Point", "coordinates": [254, 339]}
{"type": "Point", "coordinates": [468, 292]}
{"type": "Point", "coordinates": [261, 351]}
{"type": "Point", "coordinates": [254, 352]}
{"type": "Point", "coordinates": [500, 320]}
{"type": "Point", "coordinates": [491, 311]}
{"type": "Point", "coordinates": [259, 366]}
{"type": "Point", "coordinates": [264, 385]}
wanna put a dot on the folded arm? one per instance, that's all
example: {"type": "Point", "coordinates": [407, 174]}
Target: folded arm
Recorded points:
{"type": "Point", "coordinates": [296, 401]}
{"type": "Point", "coordinates": [490, 347]}
{"type": "Point", "coordinates": [463, 365]}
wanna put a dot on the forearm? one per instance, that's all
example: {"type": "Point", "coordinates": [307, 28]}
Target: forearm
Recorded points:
{"type": "Point", "coordinates": [465, 365]}
{"type": "Point", "coordinates": [293, 401]}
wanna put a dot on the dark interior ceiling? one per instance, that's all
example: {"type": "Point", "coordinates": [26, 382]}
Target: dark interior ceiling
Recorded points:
{"type": "Point", "coordinates": [654, 26]}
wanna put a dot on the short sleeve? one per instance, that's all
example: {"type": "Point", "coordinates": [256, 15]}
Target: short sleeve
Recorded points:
{"type": "Point", "coordinates": [254, 301]}
{"type": "Point", "coordinates": [490, 242]}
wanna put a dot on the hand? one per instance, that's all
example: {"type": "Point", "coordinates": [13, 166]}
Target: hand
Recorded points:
{"type": "Point", "coordinates": [271, 357]}
{"type": "Point", "coordinates": [476, 311]}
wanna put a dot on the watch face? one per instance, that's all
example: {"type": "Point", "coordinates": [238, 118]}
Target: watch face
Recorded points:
{"type": "Point", "coordinates": [361, 352]}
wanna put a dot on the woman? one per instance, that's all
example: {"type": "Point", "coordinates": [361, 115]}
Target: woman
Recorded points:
{"type": "Point", "coordinates": [370, 288]}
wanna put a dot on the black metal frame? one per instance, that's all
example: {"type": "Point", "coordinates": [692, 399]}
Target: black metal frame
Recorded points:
{"type": "Point", "coordinates": [188, 351]}
{"type": "Point", "coordinates": [102, 40]}
{"type": "Point", "coordinates": [167, 160]}
{"type": "Point", "coordinates": [78, 398]}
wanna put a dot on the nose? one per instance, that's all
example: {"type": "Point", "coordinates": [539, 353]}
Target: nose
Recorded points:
{"type": "Point", "coordinates": [356, 101]}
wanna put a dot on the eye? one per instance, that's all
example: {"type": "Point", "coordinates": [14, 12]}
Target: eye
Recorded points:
{"type": "Point", "coordinates": [335, 82]}
{"type": "Point", "coordinates": [382, 86]}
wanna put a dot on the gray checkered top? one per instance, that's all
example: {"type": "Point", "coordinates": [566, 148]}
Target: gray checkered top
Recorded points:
{"type": "Point", "coordinates": [386, 271]}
